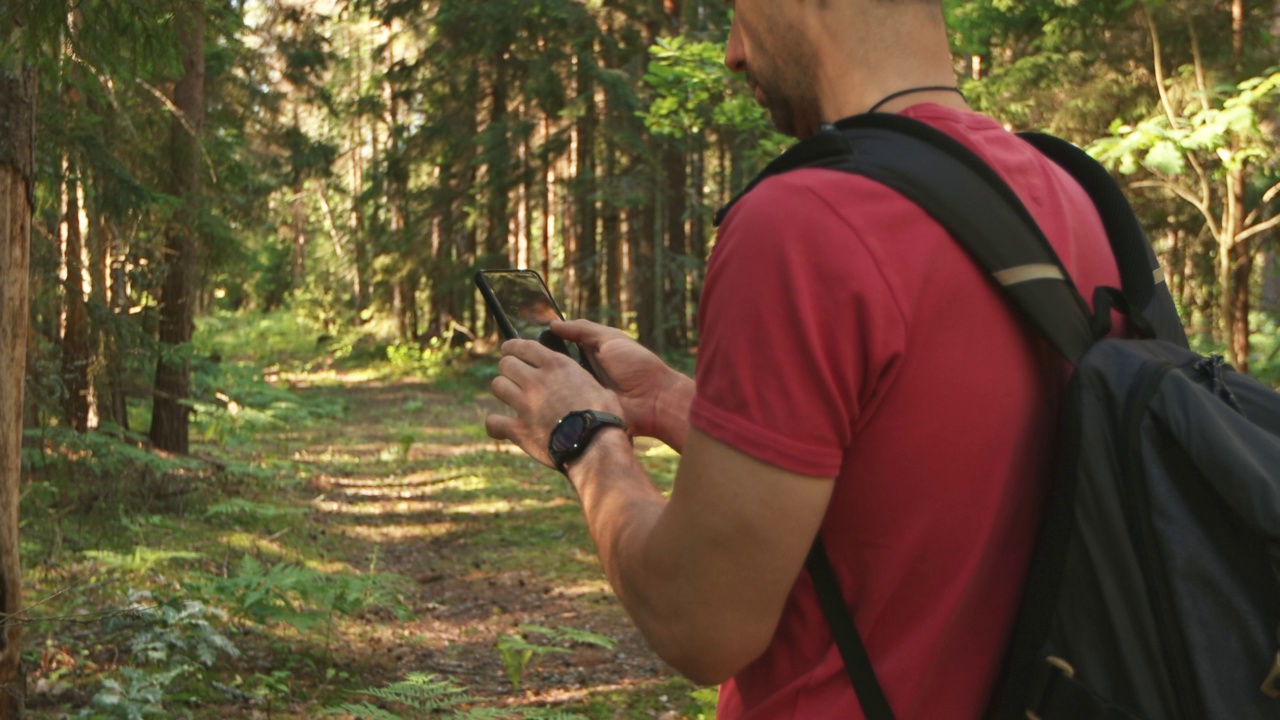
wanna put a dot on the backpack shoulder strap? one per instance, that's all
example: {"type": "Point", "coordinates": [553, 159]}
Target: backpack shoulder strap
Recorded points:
{"type": "Point", "coordinates": [1141, 276]}
{"type": "Point", "coordinates": [960, 191]}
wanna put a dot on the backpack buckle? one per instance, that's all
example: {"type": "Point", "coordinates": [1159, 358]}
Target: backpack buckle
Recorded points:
{"type": "Point", "coordinates": [1060, 667]}
{"type": "Point", "coordinates": [1271, 686]}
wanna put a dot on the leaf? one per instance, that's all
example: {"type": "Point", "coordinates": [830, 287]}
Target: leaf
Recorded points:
{"type": "Point", "coordinates": [1166, 158]}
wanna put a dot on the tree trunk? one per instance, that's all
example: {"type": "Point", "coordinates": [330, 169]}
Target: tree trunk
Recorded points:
{"type": "Point", "coordinates": [674, 270]}
{"type": "Point", "coordinates": [17, 194]}
{"type": "Point", "coordinates": [298, 223]}
{"type": "Point", "coordinates": [611, 240]}
{"type": "Point", "coordinates": [75, 318]}
{"type": "Point", "coordinates": [646, 281]}
{"type": "Point", "coordinates": [587, 261]}
{"type": "Point", "coordinates": [498, 233]}
{"type": "Point", "coordinates": [170, 415]}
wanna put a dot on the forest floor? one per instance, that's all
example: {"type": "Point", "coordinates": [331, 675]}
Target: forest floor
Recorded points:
{"type": "Point", "coordinates": [377, 536]}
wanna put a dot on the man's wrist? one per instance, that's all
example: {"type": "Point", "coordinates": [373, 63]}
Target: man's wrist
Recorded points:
{"type": "Point", "coordinates": [673, 411]}
{"type": "Point", "coordinates": [575, 433]}
{"type": "Point", "coordinates": [608, 441]}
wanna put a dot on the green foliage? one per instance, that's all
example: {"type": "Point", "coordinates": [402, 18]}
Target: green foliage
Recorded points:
{"type": "Point", "coordinates": [241, 507]}
{"type": "Point", "coordinates": [168, 639]}
{"type": "Point", "coordinates": [706, 699]}
{"type": "Point", "coordinates": [438, 363]}
{"type": "Point", "coordinates": [171, 632]}
{"type": "Point", "coordinates": [695, 94]}
{"type": "Point", "coordinates": [234, 400]}
{"type": "Point", "coordinates": [1265, 362]}
{"type": "Point", "coordinates": [296, 595]}
{"type": "Point", "coordinates": [281, 337]}
{"type": "Point", "coordinates": [140, 560]}
{"type": "Point", "coordinates": [433, 696]}
{"type": "Point", "coordinates": [141, 695]}
{"type": "Point", "coordinates": [1226, 137]}
{"type": "Point", "coordinates": [517, 652]}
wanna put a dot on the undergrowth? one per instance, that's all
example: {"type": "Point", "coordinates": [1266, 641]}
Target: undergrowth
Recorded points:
{"type": "Point", "coordinates": [230, 583]}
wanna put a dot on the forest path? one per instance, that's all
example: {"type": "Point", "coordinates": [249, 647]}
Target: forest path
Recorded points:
{"type": "Point", "coordinates": [407, 482]}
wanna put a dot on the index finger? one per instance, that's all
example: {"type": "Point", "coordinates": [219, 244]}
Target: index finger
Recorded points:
{"type": "Point", "coordinates": [531, 352]}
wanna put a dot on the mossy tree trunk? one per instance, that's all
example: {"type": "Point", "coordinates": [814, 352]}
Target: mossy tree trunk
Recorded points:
{"type": "Point", "coordinates": [17, 159]}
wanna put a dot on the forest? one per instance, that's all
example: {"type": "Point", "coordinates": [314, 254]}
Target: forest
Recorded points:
{"type": "Point", "coordinates": [237, 241]}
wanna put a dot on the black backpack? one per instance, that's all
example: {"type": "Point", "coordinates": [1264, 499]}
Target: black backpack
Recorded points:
{"type": "Point", "coordinates": [1154, 590]}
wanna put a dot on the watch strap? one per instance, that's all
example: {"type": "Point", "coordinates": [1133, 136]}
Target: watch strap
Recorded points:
{"type": "Point", "coordinates": [594, 420]}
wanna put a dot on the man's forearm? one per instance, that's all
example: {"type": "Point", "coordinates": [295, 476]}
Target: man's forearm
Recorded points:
{"type": "Point", "coordinates": [669, 572]}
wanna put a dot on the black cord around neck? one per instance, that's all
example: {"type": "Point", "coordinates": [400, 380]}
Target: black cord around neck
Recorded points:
{"type": "Point", "coordinates": [909, 91]}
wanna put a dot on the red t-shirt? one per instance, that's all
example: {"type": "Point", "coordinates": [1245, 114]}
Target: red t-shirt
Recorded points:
{"type": "Point", "coordinates": [845, 334]}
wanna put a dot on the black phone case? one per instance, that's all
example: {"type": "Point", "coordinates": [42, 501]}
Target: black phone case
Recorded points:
{"type": "Point", "coordinates": [507, 328]}
{"type": "Point", "coordinates": [505, 325]}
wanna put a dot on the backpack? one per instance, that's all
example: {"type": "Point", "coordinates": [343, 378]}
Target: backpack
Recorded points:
{"type": "Point", "coordinates": [1154, 588]}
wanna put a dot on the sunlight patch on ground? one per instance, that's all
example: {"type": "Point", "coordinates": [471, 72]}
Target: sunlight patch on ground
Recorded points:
{"type": "Point", "coordinates": [488, 507]}
{"type": "Point", "coordinates": [327, 455]}
{"type": "Point", "coordinates": [454, 449]}
{"type": "Point", "coordinates": [566, 696]}
{"type": "Point", "coordinates": [385, 491]}
{"type": "Point", "coordinates": [339, 507]}
{"type": "Point", "coordinates": [416, 479]}
{"type": "Point", "coordinates": [269, 546]}
{"type": "Point", "coordinates": [399, 532]}
{"type": "Point", "coordinates": [586, 587]}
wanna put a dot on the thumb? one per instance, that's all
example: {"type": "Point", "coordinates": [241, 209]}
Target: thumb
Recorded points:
{"type": "Point", "coordinates": [583, 332]}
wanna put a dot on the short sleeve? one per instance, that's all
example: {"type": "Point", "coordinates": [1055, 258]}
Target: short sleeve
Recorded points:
{"type": "Point", "coordinates": [797, 328]}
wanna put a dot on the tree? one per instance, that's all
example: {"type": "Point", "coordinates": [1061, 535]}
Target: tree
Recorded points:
{"type": "Point", "coordinates": [1208, 146]}
{"type": "Point", "coordinates": [170, 418]}
{"type": "Point", "coordinates": [17, 175]}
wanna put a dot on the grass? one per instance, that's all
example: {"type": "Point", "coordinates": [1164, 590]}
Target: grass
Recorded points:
{"type": "Point", "coordinates": [347, 524]}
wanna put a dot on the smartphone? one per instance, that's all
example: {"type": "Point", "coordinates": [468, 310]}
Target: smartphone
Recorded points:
{"type": "Point", "coordinates": [523, 307]}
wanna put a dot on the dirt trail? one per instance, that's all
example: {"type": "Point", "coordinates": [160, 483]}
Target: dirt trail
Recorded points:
{"type": "Point", "coordinates": [489, 540]}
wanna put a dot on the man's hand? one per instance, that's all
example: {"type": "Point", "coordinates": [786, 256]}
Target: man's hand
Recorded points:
{"type": "Point", "coordinates": [655, 398]}
{"type": "Point", "coordinates": [542, 386]}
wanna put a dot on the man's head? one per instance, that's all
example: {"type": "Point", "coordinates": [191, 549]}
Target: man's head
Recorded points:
{"type": "Point", "coordinates": [811, 61]}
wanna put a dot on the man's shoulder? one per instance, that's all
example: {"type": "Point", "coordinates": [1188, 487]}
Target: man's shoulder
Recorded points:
{"type": "Point", "coordinates": [807, 197]}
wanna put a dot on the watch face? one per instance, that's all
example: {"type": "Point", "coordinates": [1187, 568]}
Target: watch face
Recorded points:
{"type": "Point", "coordinates": [569, 432]}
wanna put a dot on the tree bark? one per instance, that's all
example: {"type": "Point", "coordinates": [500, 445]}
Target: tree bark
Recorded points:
{"type": "Point", "coordinates": [76, 355]}
{"type": "Point", "coordinates": [674, 272]}
{"type": "Point", "coordinates": [17, 194]}
{"type": "Point", "coordinates": [170, 417]}
{"type": "Point", "coordinates": [587, 261]}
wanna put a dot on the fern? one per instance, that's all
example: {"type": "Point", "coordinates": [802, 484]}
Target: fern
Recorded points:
{"type": "Point", "coordinates": [296, 595]}
{"type": "Point", "coordinates": [517, 652]}
{"type": "Point", "coordinates": [240, 506]}
{"type": "Point", "coordinates": [436, 697]}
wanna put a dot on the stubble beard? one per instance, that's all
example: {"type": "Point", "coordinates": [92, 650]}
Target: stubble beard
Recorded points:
{"type": "Point", "coordinates": [787, 92]}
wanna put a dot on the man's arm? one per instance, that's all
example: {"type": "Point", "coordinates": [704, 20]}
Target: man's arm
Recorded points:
{"type": "Point", "coordinates": [706, 574]}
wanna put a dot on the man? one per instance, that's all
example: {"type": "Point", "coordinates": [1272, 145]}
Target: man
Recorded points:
{"type": "Point", "coordinates": [858, 376]}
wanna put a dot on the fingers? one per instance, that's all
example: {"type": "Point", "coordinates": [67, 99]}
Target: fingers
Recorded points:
{"type": "Point", "coordinates": [585, 332]}
{"type": "Point", "coordinates": [505, 389]}
{"type": "Point", "coordinates": [500, 427]}
{"type": "Point", "coordinates": [531, 352]}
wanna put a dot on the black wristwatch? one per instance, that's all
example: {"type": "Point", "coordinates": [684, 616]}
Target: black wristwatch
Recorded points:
{"type": "Point", "coordinates": [573, 433]}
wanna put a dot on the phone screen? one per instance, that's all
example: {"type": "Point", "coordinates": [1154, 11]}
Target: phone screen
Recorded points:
{"type": "Point", "coordinates": [523, 304]}
{"type": "Point", "coordinates": [523, 308]}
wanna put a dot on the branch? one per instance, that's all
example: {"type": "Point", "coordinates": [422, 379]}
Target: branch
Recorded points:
{"type": "Point", "coordinates": [1267, 197]}
{"type": "Point", "coordinates": [1158, 60]}
{"type": "Point", "coordinates": [1201, 82]}
{"type": "Point", "coordinates": [181, 117]}
{"type": "Point", "coordinates": [1258, 229]}
{"type": "Point", "coordinates": [1199, 204]}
